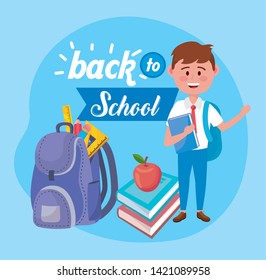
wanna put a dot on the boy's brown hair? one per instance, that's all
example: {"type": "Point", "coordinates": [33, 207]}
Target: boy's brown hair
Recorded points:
{"type": "Point", "coordinates": [190, 52]}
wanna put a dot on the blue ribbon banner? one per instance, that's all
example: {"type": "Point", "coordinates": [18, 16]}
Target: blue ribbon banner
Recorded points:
{"type": "Point", "coordinates": [127, 104]}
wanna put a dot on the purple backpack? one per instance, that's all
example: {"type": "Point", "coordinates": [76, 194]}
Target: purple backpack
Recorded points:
{"type": "Point", "coordinates": [66, 184]}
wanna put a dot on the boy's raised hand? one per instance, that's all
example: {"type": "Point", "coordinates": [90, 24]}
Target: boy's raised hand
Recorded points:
{"type": "Point", "coordinates": [244, 110]}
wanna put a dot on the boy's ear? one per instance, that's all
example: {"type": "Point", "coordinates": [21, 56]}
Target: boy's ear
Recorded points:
{"type": "Point", "coordinates": [216, 70]}
{"type": "Point", "coordinates": [170, 70]}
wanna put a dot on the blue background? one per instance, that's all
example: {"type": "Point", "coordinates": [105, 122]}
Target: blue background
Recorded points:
{"type": "Point", "coordinates": [239, 233]}
{"type": "Point", "coordinates": [49, 92]}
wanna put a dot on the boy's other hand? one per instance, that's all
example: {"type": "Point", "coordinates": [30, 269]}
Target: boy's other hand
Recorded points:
{"type": "Point", "coordinates": [244, 110]}
{"type": "Point", "coordinates": [188, 129]}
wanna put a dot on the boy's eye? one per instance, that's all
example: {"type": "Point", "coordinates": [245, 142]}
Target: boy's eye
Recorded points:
{"type": "Point", "coordinates": [187, 73]}
{"type": "Point", "coordinates": [199, 73]}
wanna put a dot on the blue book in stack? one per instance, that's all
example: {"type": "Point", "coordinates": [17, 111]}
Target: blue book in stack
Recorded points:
{"type": "Point", "coordinates": [149, 211]}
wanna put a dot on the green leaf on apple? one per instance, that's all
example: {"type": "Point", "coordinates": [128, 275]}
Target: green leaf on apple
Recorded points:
{"type": "Point", "coordinates": [139, 158]}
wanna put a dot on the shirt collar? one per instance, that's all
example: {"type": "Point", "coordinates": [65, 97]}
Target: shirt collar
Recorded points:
{"type": "Point", "coordinates": [198, 103]}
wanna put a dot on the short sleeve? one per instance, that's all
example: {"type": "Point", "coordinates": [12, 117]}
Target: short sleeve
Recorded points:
{"type": "Point", "coordinates": [214, 118]}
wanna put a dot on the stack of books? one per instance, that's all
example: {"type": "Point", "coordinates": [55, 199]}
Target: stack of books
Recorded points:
{"type": "Point", "coordinates": [149, 211]}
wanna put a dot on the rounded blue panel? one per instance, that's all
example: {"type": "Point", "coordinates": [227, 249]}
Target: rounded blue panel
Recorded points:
{"type": "Point", "coordinates": [152, 65]}
{"type": "Point", "coordinates": [55, 85]}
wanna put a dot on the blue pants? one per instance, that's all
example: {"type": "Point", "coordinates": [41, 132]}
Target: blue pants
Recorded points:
{"type": "Point", "coordinates": [198, 160]}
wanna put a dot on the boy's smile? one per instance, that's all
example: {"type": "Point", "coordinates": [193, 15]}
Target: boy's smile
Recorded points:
{"type": "Point", "coordinates": [193, 78]}
{"type": "Point", "coordinates": [193, 85]}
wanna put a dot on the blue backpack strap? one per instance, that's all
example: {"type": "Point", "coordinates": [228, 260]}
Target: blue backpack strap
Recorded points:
{"type": "Point", "coordinates": [205, 121]}
{"type": "Point", "coordinates": [113, 177]}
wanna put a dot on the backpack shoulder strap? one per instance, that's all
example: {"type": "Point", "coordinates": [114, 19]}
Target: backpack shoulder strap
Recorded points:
{"type": "Point", "coordinates": [205, 121]}
{"type": "Point", "coordinates": [113, 177]}
{"type": "Point", "coordinates": [103, 175]}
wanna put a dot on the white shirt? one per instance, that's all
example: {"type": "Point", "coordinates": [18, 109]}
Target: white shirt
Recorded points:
{"type": "Point", "coordinates": [184, 107]}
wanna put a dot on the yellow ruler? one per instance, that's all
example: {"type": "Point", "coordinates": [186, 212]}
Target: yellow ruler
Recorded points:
{"type": "Point", "coordinates": [67, 115]}
{"type": "Point", "coordinates": [94, 140]}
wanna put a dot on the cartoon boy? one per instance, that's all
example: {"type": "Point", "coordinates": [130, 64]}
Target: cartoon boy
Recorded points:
{"type": "Point", "coordinates": [193, 69]}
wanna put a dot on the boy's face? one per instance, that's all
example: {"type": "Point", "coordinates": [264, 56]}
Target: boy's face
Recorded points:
{"type": "Point", "coordinates": [194, 78]}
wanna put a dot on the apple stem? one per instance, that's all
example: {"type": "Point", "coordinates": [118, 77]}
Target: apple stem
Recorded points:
{"type": "Point", "coordinates": [145, 161]}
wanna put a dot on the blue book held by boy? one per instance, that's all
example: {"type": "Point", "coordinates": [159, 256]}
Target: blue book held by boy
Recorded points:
{"type": "Point", "coordinates": [177, 126]}
{"type": "Point", "coordinates": [148, 204]}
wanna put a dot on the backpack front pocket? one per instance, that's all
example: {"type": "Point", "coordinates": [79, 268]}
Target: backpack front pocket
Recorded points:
{"type": "Point", "coordinates": [54, 208]}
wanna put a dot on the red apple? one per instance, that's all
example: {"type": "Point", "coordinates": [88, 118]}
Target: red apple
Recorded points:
{"type": "Point", "coordinates": [147, 176]}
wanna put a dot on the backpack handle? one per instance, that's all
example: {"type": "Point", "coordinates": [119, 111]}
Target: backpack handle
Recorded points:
{"type": "Point", "coordinates": [70, 125]}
